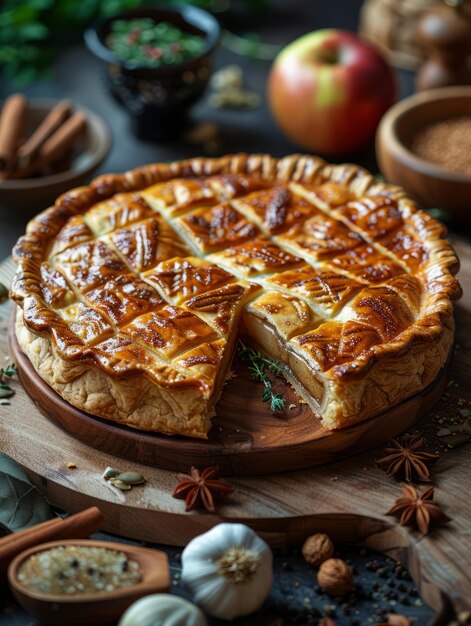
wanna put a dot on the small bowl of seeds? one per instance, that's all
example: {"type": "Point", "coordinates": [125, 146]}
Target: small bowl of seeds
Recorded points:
{"type": "Point", "coordinates": [423, 144]}
{"type": "Point", "coordinates": [158, 61]}
{"type": "Point", "coordinates": [78, 582]}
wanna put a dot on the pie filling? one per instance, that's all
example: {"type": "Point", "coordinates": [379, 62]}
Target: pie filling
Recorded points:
{"type": "Point", "coordinates": [319, 266]}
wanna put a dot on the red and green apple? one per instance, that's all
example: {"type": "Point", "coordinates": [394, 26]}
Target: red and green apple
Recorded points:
{"type": "Point", "coordinates": [328, 90]}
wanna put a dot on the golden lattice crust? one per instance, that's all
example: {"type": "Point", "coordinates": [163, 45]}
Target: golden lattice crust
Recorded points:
{"type": "Point", "coordinates": [139, 284]}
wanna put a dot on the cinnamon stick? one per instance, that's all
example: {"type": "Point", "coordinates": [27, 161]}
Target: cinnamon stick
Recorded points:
{"type": "Point", "coordinates": [56, 116]}
{"type": "Point", "coordinates": [63, 138]}
{"type": "Point", "coordinates": [12, 120]}
{"type": "Point", "coordinates": [78, 526]}
{"type": "Point", "coordinates": [56, 146]}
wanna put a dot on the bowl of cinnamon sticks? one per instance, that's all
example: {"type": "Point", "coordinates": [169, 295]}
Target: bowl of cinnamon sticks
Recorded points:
{"type": "Point", "coordinates": [46, 148]}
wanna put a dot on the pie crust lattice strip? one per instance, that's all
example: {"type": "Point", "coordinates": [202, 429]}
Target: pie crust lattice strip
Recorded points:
{"type": "Point", "coordinates": [132, 291]}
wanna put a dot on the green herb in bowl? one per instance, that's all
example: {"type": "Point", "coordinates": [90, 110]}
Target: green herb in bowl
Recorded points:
{"type": "Point", "coordinates": [146, 43]}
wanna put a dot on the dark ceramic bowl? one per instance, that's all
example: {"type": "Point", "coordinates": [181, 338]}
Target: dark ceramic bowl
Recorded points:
{"type": "Point", "coordinates": [159, 99]}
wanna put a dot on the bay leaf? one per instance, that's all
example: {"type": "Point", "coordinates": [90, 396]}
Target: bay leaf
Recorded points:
{"type": "Point", "coordinates": [21, 504]}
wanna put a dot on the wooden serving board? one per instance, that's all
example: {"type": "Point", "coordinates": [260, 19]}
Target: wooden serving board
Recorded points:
{"type": "Point", "coordinates": [246, 437]}
{"type": "Point", "coordinates": [347, 499]}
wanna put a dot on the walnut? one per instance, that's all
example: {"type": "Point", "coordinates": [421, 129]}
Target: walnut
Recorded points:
{"type": "Point", "coordinates": [335, 577]}
{"type": "Point", "coordinates": [317, 548]}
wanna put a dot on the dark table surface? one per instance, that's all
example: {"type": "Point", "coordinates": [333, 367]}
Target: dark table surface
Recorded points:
{"type": "Point", "coordinates": [76, 75]}
{"type": "Point", "coordinates": [382, 586]}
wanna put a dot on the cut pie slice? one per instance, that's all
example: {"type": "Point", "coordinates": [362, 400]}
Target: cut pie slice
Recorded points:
{"type": "Point", "coordinates": [221, 307]}
{"type": "Point", "coordinates": [325, 291]}
{"type": "Point", "coordinates": [119, 211]}
{"type": "Point", "coordinates": [143, 245]}
{"type": "Point", "coordinates": [89, 265]}
{"type": "Point", "coordinates": [181, 279]}
{"type": "Point", "coordinates": [319, 237]}
{"type": "Point", "coordinates": [215, 228]}
{"type": "Point", "coordinates": [275, 210]}
{"type": "Point", "coordinates": [74, 232]}
{"type": "Point", "coordinates": [255, 259]}
{"type": "Point", "coordinates": [275, 314]}
{"type": "Point", "coordinates": [177, 196]}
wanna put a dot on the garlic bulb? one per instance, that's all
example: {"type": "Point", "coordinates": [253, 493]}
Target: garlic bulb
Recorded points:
{"type": "Point", "coordinates": [162, 609]}
{"type": "Point", "coordinates": [229, 570]}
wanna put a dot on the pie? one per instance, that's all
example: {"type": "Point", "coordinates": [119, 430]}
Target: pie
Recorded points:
{"type": "Point", "coordinates": [132, 291]}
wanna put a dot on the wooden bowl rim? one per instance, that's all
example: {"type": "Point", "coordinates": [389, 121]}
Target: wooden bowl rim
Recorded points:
{"type": "Point", "coordinates": [97, 125]}
{"type": "Point", "coordinates": [84, 598]}
{"type": "Point", "coordinates": [387, 133]}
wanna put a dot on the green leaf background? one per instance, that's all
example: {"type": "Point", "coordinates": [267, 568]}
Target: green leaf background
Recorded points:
{"type": "Point", "coordinates": [30, 31]}
{"type": "Point", "coordinates": [21, 504]}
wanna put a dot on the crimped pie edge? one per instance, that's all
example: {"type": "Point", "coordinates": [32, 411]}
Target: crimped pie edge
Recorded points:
{"type": "Point", "coordinates": [440, 267]}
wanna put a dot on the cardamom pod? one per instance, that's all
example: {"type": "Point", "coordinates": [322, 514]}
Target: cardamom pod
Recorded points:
{"type": "Point", "coordinates": [131, 478]}
{"type": "Point", "coordinates": [120, 485]}
{"type": "Point", "coordinates": [110, 472]}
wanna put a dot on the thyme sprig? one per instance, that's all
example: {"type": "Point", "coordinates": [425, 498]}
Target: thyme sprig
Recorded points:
{"type": "Point", "coordinates": [259, 365]}
{"type": "Point", "coordinates": [8, 371]}
{"type": "Point", "coordinates": [5, 373]}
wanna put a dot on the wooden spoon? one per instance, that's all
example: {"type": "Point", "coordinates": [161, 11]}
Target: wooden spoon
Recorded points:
{"type": "Point", "coordinates": [104, 607]}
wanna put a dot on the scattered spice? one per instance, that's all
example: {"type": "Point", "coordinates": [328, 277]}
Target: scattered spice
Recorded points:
{"type": "Point", "coordinates": [457, 439]}
{"type": "Point", "coordinates": [143, 42]}
{"type": "Point", "coordinates": [119, 484]}
{"type": "Point", "coordinates": [206, 135]}
{"type": "Point", "coordinates": [78, 569]}
{"type": "Point", "coordinates": [317, 548]}
{"type": "Point", "coordinates": [229, 92]}
{"type": "Point", "coordinates": [131, 478]}
{"type": "Point", "coordinates": [447, 143]}
{"type": "Point", "coordinates": [124, 481]}
{"type": "Point", "coordinates": [419, 510]}
{"type": "Point", "coordinates": [258, 366]}
{"type": "Point", "coordinates": [406, 460]}
{"type": "Point", "coordinates": [335, 577]}
{"type": "Point", "coordinates": [202, 488]}
{"type": "Point", "coordinates": [111, 472]}
{"type": "Point", "coordinates": [457, 434]}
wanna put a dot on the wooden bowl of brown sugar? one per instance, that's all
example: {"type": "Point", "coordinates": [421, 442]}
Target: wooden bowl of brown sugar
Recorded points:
{"type": "Point", "coordinates": [423, 144]}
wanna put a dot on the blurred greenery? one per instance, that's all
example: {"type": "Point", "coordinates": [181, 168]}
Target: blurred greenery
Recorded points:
{"type": "Point", "coordinates": [30, 30]}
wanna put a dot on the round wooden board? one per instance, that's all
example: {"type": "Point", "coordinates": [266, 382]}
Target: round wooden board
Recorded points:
{"type": "Point", "coordinates": [347, 499]}
{"type": "Point", "coordinates": [246, 438]}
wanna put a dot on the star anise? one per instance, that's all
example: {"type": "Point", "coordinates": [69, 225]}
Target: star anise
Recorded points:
{"type": "Point", "coordinates": [405, 459]}
{"type": "Point", "coordinates": [201, 489]}
{"type": "Point", "coordinates": [420, 510]}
